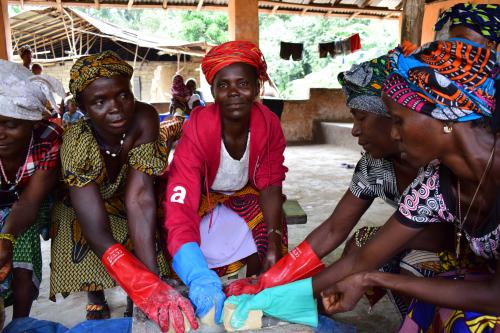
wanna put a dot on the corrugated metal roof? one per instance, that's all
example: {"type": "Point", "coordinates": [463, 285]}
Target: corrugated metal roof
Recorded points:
{"type": "Point", "coordinates": [360, 8]}
{"type": "Point", "coordinates": [59, 35]}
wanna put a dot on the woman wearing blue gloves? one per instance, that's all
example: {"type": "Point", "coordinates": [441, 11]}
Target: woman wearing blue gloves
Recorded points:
{"type": "Point", "coordinates": [224, 200]}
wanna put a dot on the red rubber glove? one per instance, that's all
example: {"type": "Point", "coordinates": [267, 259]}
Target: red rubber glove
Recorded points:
{"type": "Point", "coordinates": [300, 263]}
{"type": "Point", "coordinates": [159, 301]}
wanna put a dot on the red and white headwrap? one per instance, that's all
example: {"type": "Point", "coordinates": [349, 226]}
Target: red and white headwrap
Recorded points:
{"type": "Point", "coordinates": [232, 52]}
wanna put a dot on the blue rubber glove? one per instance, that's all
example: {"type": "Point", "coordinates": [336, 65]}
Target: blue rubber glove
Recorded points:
{"type": "Point", "coordinates": [205, 288]}
{"type": "Point", "coordinates": [293, 302]}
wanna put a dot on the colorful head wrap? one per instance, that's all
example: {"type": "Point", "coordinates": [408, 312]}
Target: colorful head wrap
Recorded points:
{"type": "Point", "coordinates": [448, 80]}
{"type": "Point", "coordinates": [484, 19]}
{"type": "Point", "coordinates": [179, 88]}
{"type": "Point", "coordinates": [24, 95]}
{"type": "Point", "coordinates": [89, 68]}
{"type": "Point", "coordinates": [232, 52]}
{"type": "Point", "coordinates": [362, 85]}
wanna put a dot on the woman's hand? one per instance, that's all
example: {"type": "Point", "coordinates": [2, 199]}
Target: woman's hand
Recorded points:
{"type": "Point", "coordinates": [5, 258]}
{"type": "Point", "coordinates": [345, 294]}
{"type": "Point", "coordinates": [273, 252]}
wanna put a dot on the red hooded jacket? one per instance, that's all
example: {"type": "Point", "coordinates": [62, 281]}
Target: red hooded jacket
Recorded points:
{"type": "Point", "coordinates": [197, 159]}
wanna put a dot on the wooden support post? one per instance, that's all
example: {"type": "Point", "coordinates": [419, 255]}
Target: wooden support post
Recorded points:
{"type": "Point", "coordinates": [5, 41]}
{"type": "Point", "coordinates": [200, 5]}
{"type": "Point", "coordinates": [413, 16]}
{"type": "Point", "coordinates": [165, 4]}
{"type": "Point", "coordinates": [244, 20]}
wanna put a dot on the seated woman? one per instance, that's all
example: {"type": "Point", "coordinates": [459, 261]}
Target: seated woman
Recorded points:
{"type": "Point", "coordinates": [29, 164]}
{"type": "Point", "coordinates": [440, 110]}
{"type": "Point", "coordinates": [224, 198]}
{"type": "Point", "coordinates": [380, 173]}
{"type": "Point", "coordinates": [109, 163]}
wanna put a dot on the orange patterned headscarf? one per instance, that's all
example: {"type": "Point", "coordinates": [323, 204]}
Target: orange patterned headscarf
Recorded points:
{"type": "Point", "coordinates": [232, 52]}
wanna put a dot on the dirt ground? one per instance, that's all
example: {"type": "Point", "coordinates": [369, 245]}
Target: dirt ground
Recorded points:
{"type": "Point", "coordinates": [317, 179]}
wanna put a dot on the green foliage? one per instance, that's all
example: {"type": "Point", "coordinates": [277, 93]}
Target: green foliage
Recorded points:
{"type": "Point", "coordinates": [211, 27]}
{"type": "Point", "coordinates": [14, 10]}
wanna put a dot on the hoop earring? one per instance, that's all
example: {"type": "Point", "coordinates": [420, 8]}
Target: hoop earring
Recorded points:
{"type": "Point", "coordinates": [447, 129]}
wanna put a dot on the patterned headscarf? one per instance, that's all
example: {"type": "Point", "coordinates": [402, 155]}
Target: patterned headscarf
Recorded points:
{"type": "Point", "coordinates": [484, 19]}
{"type": "Point", "coordinates": [179, 88]}
{"type": "Point", "coordinates": [362, 85]}
{"type": "Point", "coordinates": [24, 95]}
{"type": "Point", "coordinates": [89, 68]}
{"type": "Point", "coordinates": [447, 80]}
{"type": "Point", "coordinates": [232, 52]}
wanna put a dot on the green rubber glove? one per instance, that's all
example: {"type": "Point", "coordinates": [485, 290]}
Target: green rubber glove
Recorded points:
{"type": "Point", "coordinates": [293, 302]}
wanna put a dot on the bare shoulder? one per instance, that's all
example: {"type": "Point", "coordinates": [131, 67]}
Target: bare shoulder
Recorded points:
{"type": "Point", "coordinates": [147, 123]}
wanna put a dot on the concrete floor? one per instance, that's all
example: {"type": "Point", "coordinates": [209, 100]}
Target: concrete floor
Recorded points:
{"type": "Point", "coordinates": [317, 179]}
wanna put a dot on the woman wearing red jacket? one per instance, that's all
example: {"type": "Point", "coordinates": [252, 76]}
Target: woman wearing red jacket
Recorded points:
{"type": "Point", "coordinates": [224, 199]}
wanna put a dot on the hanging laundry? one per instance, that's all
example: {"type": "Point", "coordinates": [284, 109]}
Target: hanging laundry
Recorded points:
{"type": "Point", "coordinates": [346, 46]}
{"type": "Point", "coordinates": [326, 48]}
{"type": "Point", "coordinates": [355, 42]}
{"type": "Point", "coordinates": [291, 49]}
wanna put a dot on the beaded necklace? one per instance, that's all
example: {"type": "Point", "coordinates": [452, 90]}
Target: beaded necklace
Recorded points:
{"type": "Point", "coordinates": [20, 171]}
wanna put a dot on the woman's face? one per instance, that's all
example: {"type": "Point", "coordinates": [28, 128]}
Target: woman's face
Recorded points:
{"type": "Point", "coordinates": [418, 135]}
{"type": "Point", "coordinates": [374, 134]}
{"type": "Point", "coordinates": [235, 88]}
{"type": "Point", "coordinates": [15, 135]}
{"type": "Point", "coordinates": [109, 103]}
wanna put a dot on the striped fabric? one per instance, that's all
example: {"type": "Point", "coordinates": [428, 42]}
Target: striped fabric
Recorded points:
{"type": "Point", "coordinates": [375, 178]}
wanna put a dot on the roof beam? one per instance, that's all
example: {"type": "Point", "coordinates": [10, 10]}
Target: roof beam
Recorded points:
{"type": "Point", "coordinates": [353, 16]}
{"type": "Point", "coordinates": [200, 5]}
{"type": "Point", "coordinates": [130, 4]}
{"type": "Point", "coordinates": [366, 3]}
{"type": "Point", "coordinates": [165, 4]}
{"type": "Point", "coordinates": [275, 9]}
{"type": "Point", "coordinates": [97, 4]}
{"type": "Point", "coordinates": [326, 8]}
{"type": "Point", "coordinates": [59, 5]}
{"type": "Point", "coordinates": [293, 9]}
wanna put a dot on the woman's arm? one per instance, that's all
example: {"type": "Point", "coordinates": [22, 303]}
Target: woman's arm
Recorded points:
{"type": "Point", "coordinates": [390, 240]}
{"type": "Point", "coordinates": [24, 211]}
{"type": "Point", "coordinates": [334, 230]}
{"type": "Point", "coordinates": [91, 213]}
{"type": "Point", "coordinates": [141, 215]}
{"type": "Point", "coordinates": [271, 202]}
{"type": "Point", "coordinates": [478, 296]}
{"type": "Point", "coordinates": [139, 194]}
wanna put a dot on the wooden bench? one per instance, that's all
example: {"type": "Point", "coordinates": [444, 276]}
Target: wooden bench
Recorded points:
{"type": "Point", "coordinates": [294, 214]}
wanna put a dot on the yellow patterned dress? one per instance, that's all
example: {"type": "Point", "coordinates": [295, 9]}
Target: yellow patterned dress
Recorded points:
{"type": "Point", "coordinates": [74, 266]}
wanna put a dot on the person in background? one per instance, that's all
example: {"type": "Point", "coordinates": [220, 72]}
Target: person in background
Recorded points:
{"type": "Point", "coordinates": [195, 99]}
{"type": "Point", "coordinates": [180, 96]}
{"type": "Point", "coordinates": [73, 113]}
{"type": "Point", "coordinates": [479, 23]}
{"type": "Point", "coordinates": [109, 163]}
{"type": "Point", "coordinates": [224, 197]}
{"type": "Point", "coordinates": [36, 69]}
{"type": "Point", "coordinates": [25, 54]}
{"type": "Point", "coordinates": [29, 165]}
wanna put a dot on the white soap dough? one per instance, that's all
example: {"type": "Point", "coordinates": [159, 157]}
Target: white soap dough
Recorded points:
{"type": "Point", "coordinates": [254, 320]}
{"type": "Point", "coordinates": [209, 318]}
